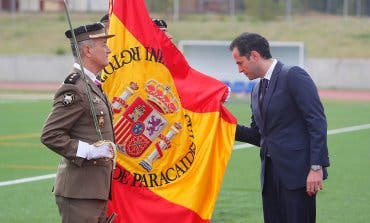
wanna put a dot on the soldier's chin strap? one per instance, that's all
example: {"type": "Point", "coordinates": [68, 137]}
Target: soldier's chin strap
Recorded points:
{"type": "Point", "coordinates": [91, 105]}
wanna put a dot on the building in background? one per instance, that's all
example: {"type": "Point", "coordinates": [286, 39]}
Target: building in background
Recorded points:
{"type": "Point", "coordinates": [180, 8]}
{"type": "Point", "coordinates": [53, 6]}
{"type": "Point", "coordinates": [9, 5]}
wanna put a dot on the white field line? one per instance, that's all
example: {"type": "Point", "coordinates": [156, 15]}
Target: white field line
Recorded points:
{"type": "Point", "coordinates": [236, 147]}
{"type": "Point", "coordinates": [26, 180]}
{"type": "Point", "coordinates": [330, 132]}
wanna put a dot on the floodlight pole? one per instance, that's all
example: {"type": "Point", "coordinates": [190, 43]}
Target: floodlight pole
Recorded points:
{"type": "Point", "coordinates": [288, 10]}
{"type": "Point", "coordinates": [232, 8]}
{"type": "Point", "coordinates": [176, 10]}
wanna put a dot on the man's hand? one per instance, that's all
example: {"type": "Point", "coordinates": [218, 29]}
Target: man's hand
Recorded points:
{"type": "Point", "coordinates": [314, 182]}
{"type": "Point", "coordinates": [103, 150]}
{"type": "Point", "coordinates": [228, 94]}
{"type": "Point", "coordinates": [100, 149]}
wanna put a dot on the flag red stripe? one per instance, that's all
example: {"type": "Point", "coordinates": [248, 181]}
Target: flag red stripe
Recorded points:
{"type": "Point", "coordinates": [118, 128]}
{"type": "Point", "coordinates": [121, 137]}
{"type": "Point", "coordinates": [123, 132]}
{"type": "Point", "coordinates": [140, 205]}
{"type": "Point", "coordinates": [121, 127]}
{"type": "Point", "coordinates": [118, 123]}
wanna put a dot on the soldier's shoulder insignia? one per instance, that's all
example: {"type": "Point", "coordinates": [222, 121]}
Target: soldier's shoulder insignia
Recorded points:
{"type": "Point", "coordinates": [68, 98]}
{"type": "Point", "coordinates": [72, 78]}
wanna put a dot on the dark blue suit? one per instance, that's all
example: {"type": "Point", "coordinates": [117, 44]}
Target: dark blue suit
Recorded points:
{"type": "Point", "coordinates": [291, 130]}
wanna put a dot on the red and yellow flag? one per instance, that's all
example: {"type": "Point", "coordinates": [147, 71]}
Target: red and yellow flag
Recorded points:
{"type": "Point", "coordinates": [175, 135]}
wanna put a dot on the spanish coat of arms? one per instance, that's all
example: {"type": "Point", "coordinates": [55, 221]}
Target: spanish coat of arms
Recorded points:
{"type": "Point", "coordinates": [142, 122]}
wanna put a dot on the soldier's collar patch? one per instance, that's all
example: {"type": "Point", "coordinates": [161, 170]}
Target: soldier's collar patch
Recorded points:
{"type": "Point", "coordinates": [72, 78]}
{"type": "Point", "coordinates": [68, 98]}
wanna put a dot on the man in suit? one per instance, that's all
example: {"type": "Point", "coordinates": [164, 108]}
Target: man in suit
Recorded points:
{"type": "Point", "coordinates": [289, 124]}
{"type": "Point", "coordinates": [83, 181]}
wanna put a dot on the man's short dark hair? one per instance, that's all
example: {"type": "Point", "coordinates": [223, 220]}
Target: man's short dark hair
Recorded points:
{"type": "Point", "coordinates": [248, 42]}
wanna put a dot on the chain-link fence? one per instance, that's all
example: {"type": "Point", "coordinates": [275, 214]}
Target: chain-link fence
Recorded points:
{"type": "Point", "coordinates": [262, 9]}
{"type": "Point", "coordinates": [183, 9]}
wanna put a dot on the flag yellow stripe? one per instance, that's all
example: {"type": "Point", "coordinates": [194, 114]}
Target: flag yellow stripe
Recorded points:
{"type": "Point", "coordinates": [130, 60]}
{"type": "Point", "coordinates": [201, 181]}
{"type": "Point", "coordinates": [189, 168]}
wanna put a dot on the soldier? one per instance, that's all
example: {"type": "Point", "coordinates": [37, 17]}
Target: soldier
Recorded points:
{"type": "Point", "coordinates": [83, 182]}
{"type": "Point", "coordinates": [105, 21]}
{"type": "Point", "coordinates": [162, 25]}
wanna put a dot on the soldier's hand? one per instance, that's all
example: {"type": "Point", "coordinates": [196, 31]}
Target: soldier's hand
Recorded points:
{"type": "Point", "coordinates": [103, 150]}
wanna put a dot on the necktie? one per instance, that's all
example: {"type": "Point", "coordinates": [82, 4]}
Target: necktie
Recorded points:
{"type": "Point", "coordinates": [262, 91]}
{"type": "Point", "coordinates": [98, 83]}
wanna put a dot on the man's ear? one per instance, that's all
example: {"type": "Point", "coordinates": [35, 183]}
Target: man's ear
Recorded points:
{"type": "Point", "coordinates": [87, 50]}
{"type": "Point", "coordinates": [255, 55]}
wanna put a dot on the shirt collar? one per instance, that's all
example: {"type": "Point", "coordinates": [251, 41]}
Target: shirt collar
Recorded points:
{"type": "Point", "coordinates": [90, 74]}
{"type": "Point", "coordinates": [270, 70]}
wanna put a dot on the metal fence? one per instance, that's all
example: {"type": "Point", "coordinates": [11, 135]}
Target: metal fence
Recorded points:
{"type": "Point", "coordinates": [181, 9]}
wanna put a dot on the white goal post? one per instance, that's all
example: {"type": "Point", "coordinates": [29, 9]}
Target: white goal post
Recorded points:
{"type": "Point", "coordinates": [214, 58]}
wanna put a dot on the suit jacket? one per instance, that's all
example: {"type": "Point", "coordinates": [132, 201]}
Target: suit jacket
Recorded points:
{"type": "Point", "coordinates": [70, 121]}
{"type": "Point", "coordinates": [290, 127]}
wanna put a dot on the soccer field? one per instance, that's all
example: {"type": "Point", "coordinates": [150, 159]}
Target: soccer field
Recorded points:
{"type": "Point", "coordinates": [345, 197]}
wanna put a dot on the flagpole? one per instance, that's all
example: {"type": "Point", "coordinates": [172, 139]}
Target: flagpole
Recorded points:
{"type": "Point", "coordinates": [92, 109]}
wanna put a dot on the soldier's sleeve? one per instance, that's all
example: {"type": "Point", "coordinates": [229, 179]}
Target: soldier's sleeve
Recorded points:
{"type": "Point", "coordinates": [67, 109]}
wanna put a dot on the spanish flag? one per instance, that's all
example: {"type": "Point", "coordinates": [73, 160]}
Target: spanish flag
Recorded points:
{"type": "Point", "coordinates": [174, 134]}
